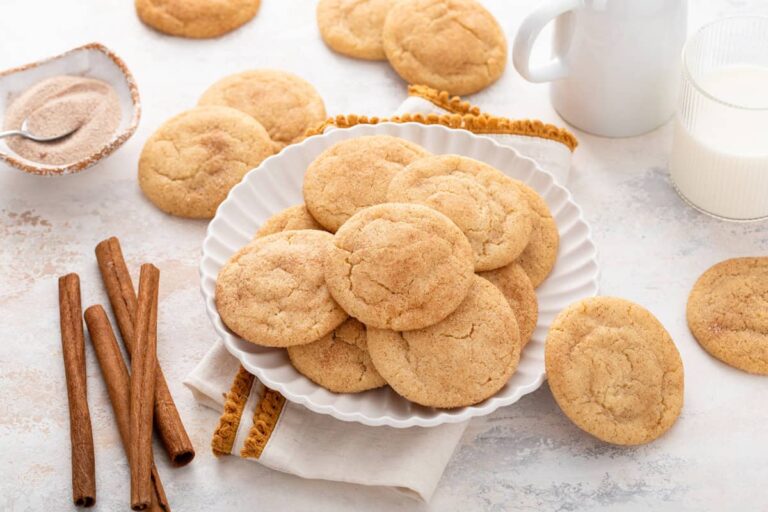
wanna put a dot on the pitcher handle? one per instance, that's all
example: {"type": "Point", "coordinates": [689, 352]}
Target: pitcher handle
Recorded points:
{"type": "Point", "coordinates": [526, 36]}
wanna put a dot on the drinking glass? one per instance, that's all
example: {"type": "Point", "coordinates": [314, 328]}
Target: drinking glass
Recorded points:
{"type": "Point", "coordinates": [719, 161]}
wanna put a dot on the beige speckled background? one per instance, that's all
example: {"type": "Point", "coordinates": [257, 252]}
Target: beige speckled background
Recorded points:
{"type": "Point", "coordinates": [524, 457]}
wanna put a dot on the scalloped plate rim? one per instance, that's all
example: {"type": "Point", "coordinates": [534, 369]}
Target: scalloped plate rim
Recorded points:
{"type": "Point", "coordinates": [441, 416]}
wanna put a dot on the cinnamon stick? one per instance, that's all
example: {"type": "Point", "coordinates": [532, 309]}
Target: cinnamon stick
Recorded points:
{"type": "Point", "coordinates": [73, 347]}
{"type": "Point", "coordinates": [122, 297]}
{"type": "Point", "coordinates": [118, 384]}
{"type": "Point", "coordinates": [142, 393]}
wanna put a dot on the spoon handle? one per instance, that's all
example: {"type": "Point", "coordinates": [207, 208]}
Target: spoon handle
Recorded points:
{"type": "Point", "coordinates": [10, 133]}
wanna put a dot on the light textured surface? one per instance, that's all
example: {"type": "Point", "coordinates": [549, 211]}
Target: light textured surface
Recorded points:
{"type": "Point", "coordinates": [527, 457]}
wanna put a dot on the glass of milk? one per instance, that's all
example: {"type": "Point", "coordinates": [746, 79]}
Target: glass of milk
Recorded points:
{"type": "Point", "coordinates": [719, 161]}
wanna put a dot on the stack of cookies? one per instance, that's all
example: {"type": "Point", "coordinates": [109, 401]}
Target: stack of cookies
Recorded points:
{"type": "Point", "coordinates": [402, 268]}
{"type": "Point", "coordinates": [188, 166]}
{"type": "Point", "coordinates": [451, 45]}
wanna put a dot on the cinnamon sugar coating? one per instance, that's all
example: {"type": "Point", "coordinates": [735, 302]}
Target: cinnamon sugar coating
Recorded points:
{"type": "Point", "coordinates": [460, 361]}
{"type": "Point", "coordinates": [272, 291]}
{"type": "Point", "coordinates": [487, 205]}
{"type": "Point", "coordinates": [728, 313]}
{"type": "Point", "coordinates": [188, 166]}
{"type": "Point", "coordinates": [399, 266]}
{"type": "Point", "coordinates": [452, 45]}
{"type": "Point", "coordinates": [614, 370]}
{"type": "Point", "coordinates": [339, 361]}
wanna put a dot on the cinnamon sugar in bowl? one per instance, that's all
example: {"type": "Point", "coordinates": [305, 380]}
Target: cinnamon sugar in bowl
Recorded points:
{"type": "Point", "coordinates": [92, 61]}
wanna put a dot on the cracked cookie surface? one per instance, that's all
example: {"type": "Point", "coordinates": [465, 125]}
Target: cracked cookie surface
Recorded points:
{"type": "Point", "coordinates": [728, 313]}
{"type": "Point", "coordinates": [399, 266]}
{"type": "Point", "coordinates": [460, 361]}
{"type": "Point", "coordinates": [339, 361]}
{"type": "Point", "coordinates": [190, 163]}
{"type": "Point", "coordinates": [354, 174]}
{"type": "Point", "coordinates": [452, 45]}
{"type": "Point", "coordinates": [517, 288]}
{"type": "Point", "coordinates": [196, 18]}
{"type": "Point", "coordinates": [538, 258]}
{"type": "Point", "coordinates": [487, 205]}
{"type": "Point", "coordinates": [614, 370]}
{"type": "Point", "coordinates": [291, 219]}
{"type": "Point", "coordinates": [284, 103]}
{"type": "Point", "coordinates": [353, 27]}
{"type": "Point", "coordinates": [272, 291]}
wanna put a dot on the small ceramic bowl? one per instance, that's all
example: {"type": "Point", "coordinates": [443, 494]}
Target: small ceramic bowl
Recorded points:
{"type": "Point", "coordinates": [93, 60]}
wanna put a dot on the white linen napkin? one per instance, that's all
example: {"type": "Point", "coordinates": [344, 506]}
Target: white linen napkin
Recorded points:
{"type": "Point", "coordinates": [258, 423]}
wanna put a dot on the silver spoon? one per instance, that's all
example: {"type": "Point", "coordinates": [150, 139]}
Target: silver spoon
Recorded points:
{"type": "Point", "coordinates": [23, 132]}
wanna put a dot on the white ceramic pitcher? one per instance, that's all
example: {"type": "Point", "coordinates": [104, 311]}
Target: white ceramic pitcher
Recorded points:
{"type": "Point", "coordinates": [615, 68]}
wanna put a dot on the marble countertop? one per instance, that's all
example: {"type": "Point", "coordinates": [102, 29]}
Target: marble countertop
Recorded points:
{"type": "Point", "coordinates": [524, 457]}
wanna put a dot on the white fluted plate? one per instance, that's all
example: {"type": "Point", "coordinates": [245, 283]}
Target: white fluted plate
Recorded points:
{"type": "Point", "coordinates": [276, 185]}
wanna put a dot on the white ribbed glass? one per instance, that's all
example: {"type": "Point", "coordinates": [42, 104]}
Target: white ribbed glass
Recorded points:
{"type": "Point", "coordinates": [719, 161]}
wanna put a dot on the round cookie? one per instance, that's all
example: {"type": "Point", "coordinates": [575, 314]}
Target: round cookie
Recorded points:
{"type": "Point", "coordinates": [272, 291]}
{"type": "Point", "coordinates": [451, 45]}
{"type": "Point", "coordinates": [354, 174]}
{"type": "Point", "coordinates": [728, 313]}
{"type": "Point", "coordinates": [486, 204]}
{"type": "Point", "coordinates": [460, 361]}
{"type": "Point", "coordinates": [190, 163]}
{"type": "Point", "coordinates": [353, 27]}
{"type": "Point", "coordinates": [196, 18]}
{"type": "Point", "coordinates": [399, 266]}
{"type": "Point", "coordinates": [291, 219]}
{"type": "Point", "coordinates": [338, 361]}
{"type": "Point", "coordinates": [514, 283]}
{"type": "Point", "coordinates": [285, 104]}
{"type": "Point", "coordinates": [614, 370]}
{"type": "Point", "coordinates": [538, 258]}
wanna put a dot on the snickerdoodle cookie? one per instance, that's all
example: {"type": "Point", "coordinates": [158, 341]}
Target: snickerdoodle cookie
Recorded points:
{"type": "Point", "coordinates": [459, 361]}
{"type": "Point", "coordinates": [290, 219]}
{"type": "Point", "coordinates": [728, 313]}
{"type": "Point", "coordinates": [519, 292]}
{"type": "Point", "coordinates": [272, 291]}
{"type": "Point", "coordinates": [339, 361]}
{"type": "Point", "coordinates": [399, 266]}
{"type": "Point", "coordinates": [539, 256]}
{"type": "Point", "coordinates": [196, 18]}
{"type": "Point", "coordinates": [285, 104]}
{"type": "Point", "coordinates": [190, 163]}
{"type": "Point", "coordinates": [354, 174]}
{"type": "Point", "coordinates": [614, 370]}
{"type": "Point", "coordinates": [353, 27]}
{"type": "Point", "coordinates": [487, 205]}
{"type": "Point", "coordinates": [451, 45]}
